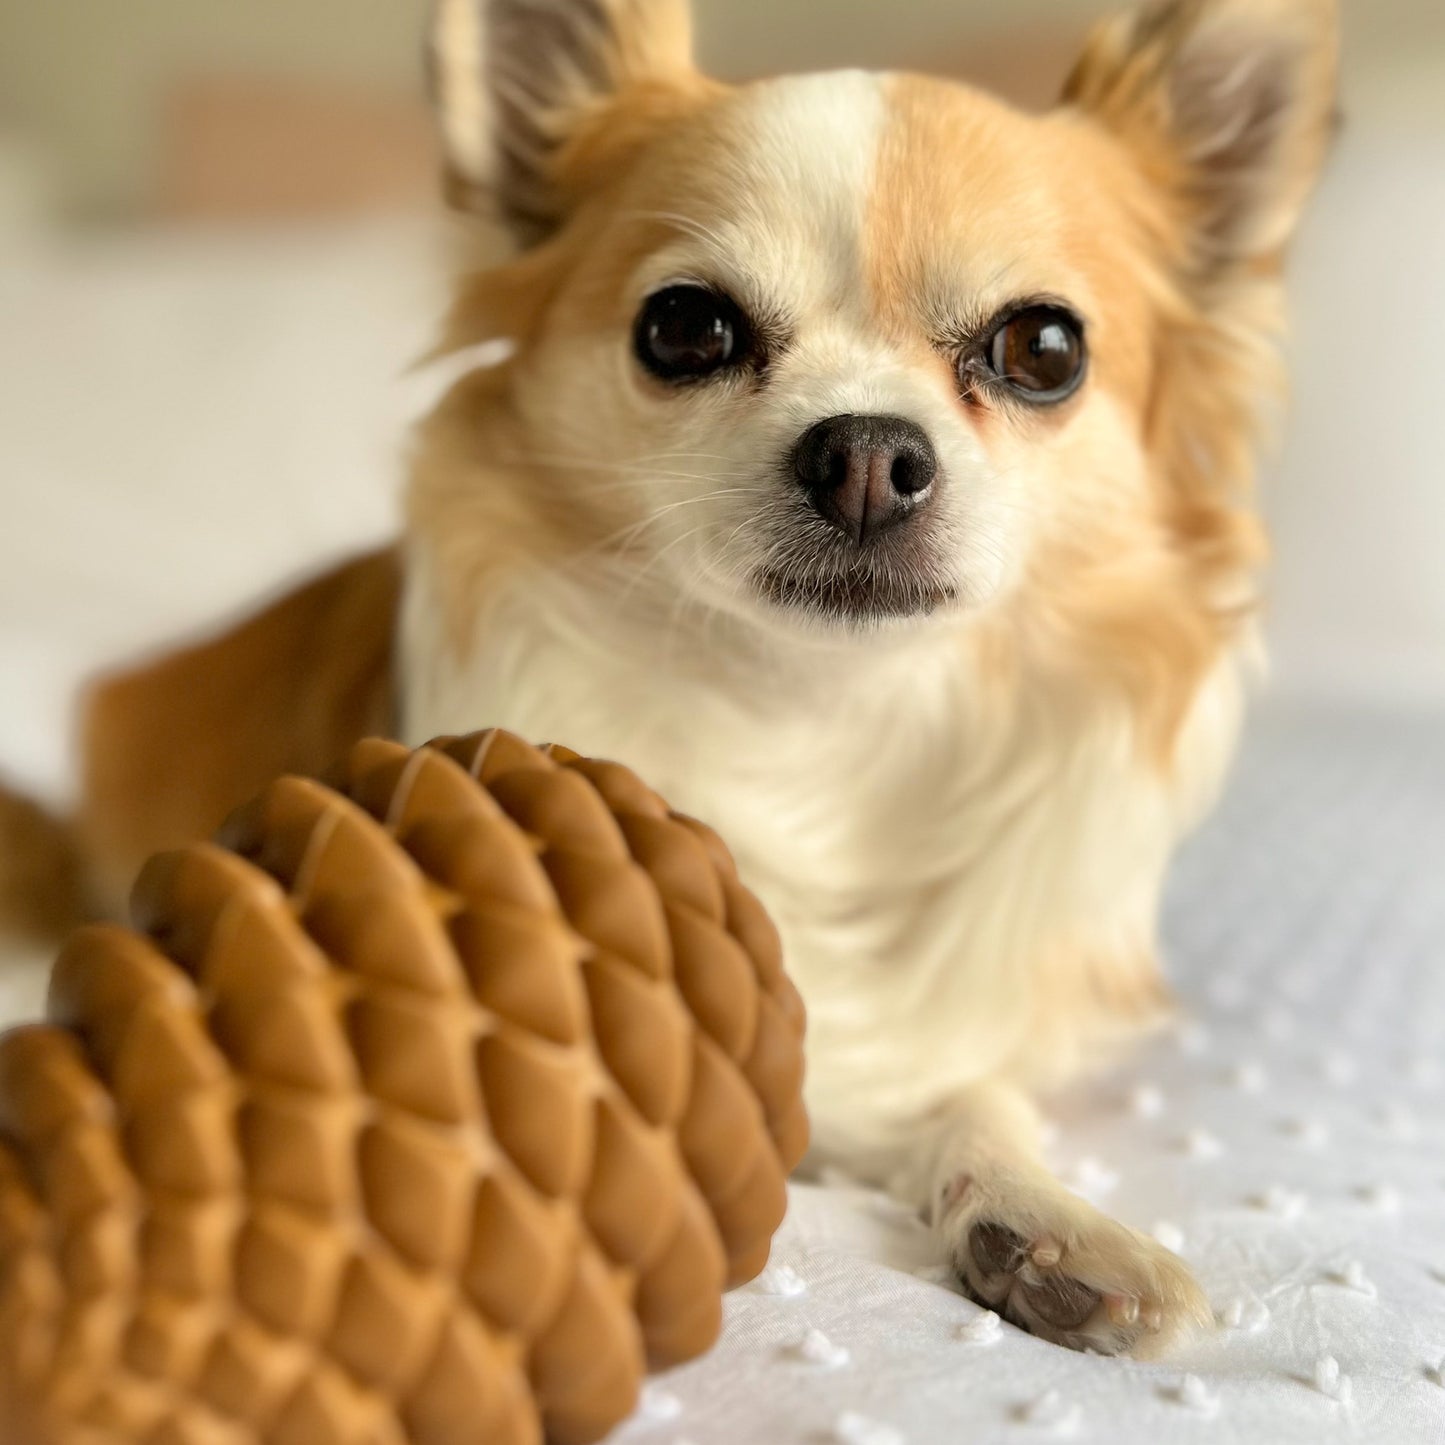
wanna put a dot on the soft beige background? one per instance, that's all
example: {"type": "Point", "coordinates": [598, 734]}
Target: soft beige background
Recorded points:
{"type": "Point", "coordinates": [92, 80]}
{"type": "Point", "coordinates": [251, 114]}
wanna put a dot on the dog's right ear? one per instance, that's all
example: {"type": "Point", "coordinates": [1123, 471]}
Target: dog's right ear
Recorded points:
{"type": "Point", "coordinates": [1228, 104]}
{"type": "Point", "coordinates": [520, 85]}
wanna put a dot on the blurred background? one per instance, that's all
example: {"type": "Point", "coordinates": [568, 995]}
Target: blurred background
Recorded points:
{"type": "Point", "coordinates": [219, 249]}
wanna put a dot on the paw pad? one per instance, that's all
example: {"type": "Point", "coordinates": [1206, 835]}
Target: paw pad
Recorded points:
{"type": "Point", "coordinates": [997, 1249]}
{"type": "Point", "coordinates": [1009, 1264]}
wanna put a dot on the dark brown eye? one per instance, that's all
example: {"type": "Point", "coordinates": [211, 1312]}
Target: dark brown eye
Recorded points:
{"type": "Point", "coordinates": [688, 332]}
{"type": "Point", "coordinates": [1040, 353]}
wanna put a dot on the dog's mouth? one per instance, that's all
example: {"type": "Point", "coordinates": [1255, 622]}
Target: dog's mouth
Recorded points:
{"type": "Point", "coordinates": [861, 596]}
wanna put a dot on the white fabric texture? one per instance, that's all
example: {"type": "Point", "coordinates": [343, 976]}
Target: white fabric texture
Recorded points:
{"type": "Point", "coordinates": [1287, 1139]}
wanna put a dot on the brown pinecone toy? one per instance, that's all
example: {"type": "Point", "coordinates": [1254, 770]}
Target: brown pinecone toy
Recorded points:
{"type": "Point", "coordinates": [430, 1108]}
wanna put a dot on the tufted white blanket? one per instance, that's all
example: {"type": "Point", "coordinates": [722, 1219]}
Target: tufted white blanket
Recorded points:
{"type": "Point", "coordinates": [1288, 1138]}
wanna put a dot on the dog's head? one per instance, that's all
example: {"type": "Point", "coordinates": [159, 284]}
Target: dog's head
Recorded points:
{"type": "Point", "coordinates": [843, 348]}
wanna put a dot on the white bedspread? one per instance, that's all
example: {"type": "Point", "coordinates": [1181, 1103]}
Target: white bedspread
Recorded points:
{"type": "Point", "coordinates": [1288, 1140]}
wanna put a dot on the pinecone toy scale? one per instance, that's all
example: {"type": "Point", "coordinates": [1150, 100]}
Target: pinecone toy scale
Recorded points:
{"type": "Point", "coordinates": [428, 1108]}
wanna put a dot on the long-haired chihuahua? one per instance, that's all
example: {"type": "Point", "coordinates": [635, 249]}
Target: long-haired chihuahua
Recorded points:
{"type": "Point", "coordinates": [871, 468]}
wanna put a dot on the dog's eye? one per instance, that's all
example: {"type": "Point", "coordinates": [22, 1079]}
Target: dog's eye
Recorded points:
{"type": "Point", "coordinates": [686, 333]}
{"type": "Point", "coordinates": [1040, 353]}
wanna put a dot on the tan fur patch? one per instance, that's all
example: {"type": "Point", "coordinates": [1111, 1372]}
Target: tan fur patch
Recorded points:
{"type": "Point", "coordinates": [41, 888]}
{"type": "Point", "coordinates": [171, 749]}
{"type": "Point", "coordinates": [488, 494]}
{"type": "Point", "coordinates": [1227, 110]}
{"type": "Point", "coordinates": [1141, 594]}
{"type": "Point", "coordinates": [980, 199]}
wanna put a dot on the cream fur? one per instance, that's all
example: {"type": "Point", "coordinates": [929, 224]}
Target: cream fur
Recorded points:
{"type": "Point", "coordinates": [941, 857]}
{"type": "Point", "coordinates": [960, 821]}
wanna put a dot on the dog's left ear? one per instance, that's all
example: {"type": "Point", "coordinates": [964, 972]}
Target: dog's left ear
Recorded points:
{"type": "Point", "coordinates": [1228, 104]}
{"type": "Point", "coordinates": [519, 85]}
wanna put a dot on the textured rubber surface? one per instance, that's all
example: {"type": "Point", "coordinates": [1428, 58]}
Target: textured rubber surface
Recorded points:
{"type": "Point", "coordinates": [430, 1107]}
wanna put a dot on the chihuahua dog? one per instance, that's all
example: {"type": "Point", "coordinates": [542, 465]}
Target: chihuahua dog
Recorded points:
{"type": "Point", "coordinates": [870, 468]}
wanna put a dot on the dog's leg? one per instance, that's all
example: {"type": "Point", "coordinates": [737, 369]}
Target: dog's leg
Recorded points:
{"type": "Point", "coordinates": [1024, 1245]}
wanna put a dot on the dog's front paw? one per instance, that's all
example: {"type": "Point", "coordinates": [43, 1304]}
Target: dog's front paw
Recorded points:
{"type": "Point", "coordinates": [1057, 1267]}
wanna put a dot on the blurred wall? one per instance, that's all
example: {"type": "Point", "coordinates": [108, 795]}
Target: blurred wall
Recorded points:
{"type": "Point", "coordinates": [93, 82]}
{"type": "Point", "coordinates": [90, 80]}
{"type": "Point", "coordinates": [1357, 496]}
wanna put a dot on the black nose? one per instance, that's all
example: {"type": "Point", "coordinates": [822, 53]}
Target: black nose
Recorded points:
{"type": "Point", "coordinates": [865, 474]}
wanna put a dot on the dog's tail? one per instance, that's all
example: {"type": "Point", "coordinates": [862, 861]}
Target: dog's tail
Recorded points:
{"type": "Point", "coordinates": [42, 887]}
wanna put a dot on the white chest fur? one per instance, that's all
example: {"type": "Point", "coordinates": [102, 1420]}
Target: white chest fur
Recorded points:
{"type": "Point", "coordinates": [966, 882]}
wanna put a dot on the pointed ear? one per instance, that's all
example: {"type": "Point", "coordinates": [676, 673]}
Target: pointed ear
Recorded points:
{"type": "Point", "coordinates": [1230, 105]}
{"type": "Point", "coordinates": [518, 82]}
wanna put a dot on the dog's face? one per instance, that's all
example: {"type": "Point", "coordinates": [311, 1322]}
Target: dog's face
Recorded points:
{"type": "Point", "coordinates": [859, 339]}
{"type": "Point", "coordinates": [846, 349]}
